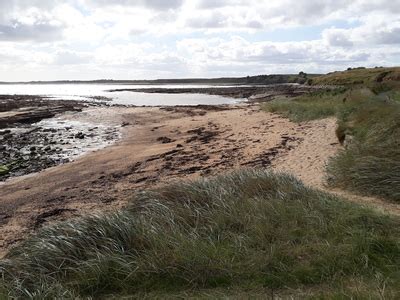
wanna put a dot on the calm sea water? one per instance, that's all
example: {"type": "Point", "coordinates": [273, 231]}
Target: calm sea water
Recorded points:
{"type": "Point", "coordinates": [85, 91]}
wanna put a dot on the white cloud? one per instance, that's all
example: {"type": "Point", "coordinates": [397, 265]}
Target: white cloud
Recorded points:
{"type": "Point", "coordinates": [152, 4]}
{"type": "Point", "coordinates": [37, 32]}
{"type": "Point", "coordinates": [375, 30]}
{"type": "Point", "coordinates": [337, 37]}
{"type": "Point", "coordinates": [150, 38]}
{"type": "Point", "coordinates": [71, 58]}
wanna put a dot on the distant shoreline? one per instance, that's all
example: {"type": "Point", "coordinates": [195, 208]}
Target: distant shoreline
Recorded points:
{"type": "Point", "coordinates": [254, 80]}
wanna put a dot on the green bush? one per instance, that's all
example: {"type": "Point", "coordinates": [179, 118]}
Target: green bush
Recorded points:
{"type": "Point", "coordinates": [244, 231]}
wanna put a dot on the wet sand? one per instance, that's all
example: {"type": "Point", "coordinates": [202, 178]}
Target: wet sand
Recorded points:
{"type": "Point", "coordinates": [159, 145]}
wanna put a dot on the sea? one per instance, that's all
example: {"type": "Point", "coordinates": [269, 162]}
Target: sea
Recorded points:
{"type": "Point", "coordinates": [86, 92]}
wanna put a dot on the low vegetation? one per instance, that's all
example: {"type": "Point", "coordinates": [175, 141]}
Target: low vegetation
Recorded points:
{"type": "Point", "coordinates": [368, 125]}
{"type": "Point", "coordinates": [317, 105]}
{"type": "Point", "coordinates": [360, 76]}
{"type": "Point", "coordinates": [248, 231]}
{"type": "Point", "coordinates": [371, 162]}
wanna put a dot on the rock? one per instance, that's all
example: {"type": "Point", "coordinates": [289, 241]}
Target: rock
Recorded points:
{"type": "Point", "coordinates": [79, 135]}
{"type": "Point", "coordinates": [50, 130]}
{"type": "Point", "coordinates": [32, 149]}
{"type": "Point", "coordinates": [3, 132]}
{"type": "Point", "coordinates": [179, 146]}
{"type": "Point", "coordinates": [8, 136]}
{"type": "Point", "coordinates": [125, 124]}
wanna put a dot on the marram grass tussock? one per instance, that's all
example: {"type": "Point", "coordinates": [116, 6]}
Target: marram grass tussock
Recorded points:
{"type": "Point", "coordinates": [249, 231]}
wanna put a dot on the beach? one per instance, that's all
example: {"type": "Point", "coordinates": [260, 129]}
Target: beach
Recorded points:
{"type": "Point", "coordinates": [159, 145]}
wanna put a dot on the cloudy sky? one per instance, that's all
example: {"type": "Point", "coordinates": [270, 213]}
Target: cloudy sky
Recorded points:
{"type": "Point", "coordinates": [135, 39]}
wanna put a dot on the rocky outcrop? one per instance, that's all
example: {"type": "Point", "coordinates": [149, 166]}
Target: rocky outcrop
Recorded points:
{"type": "Point", "coordinates": [253, 93]}
{"type": "Point", "coordinates": [17, 109]}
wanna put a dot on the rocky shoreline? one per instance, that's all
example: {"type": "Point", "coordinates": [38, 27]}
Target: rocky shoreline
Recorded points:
{"type": "Point", "coordinates": [33, 139]}
{"type": "Point", "coordinates": [17, 110]}
{"type": "Point", "coordinates": [252, 93]}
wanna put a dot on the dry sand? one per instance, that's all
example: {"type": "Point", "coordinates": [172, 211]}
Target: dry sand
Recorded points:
{"type": "Point", "coordinates": [160, 145]}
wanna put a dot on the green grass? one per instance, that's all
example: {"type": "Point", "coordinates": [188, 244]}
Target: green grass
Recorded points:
{"type": "Point", "coordinates": [316, 105]}
{"type": "Point", "coordinates": [360, 76]}
{"type": "Point", "coordinates": [371, 163]}
{"type": "Point", "coordinates": [250, 232]}
{"type": "Point", "coordinates": [299, 111]}
{"type": "Point", "coordinates": [370, 118]}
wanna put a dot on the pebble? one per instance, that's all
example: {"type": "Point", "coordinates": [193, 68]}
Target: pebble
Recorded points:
{"type": "Point", "coordinates": [79, 135]}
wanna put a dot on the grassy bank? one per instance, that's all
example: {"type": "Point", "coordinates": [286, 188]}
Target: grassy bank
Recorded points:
{"type": "Point", "coordinates": [247, 232]}
{"type": "Point", "coordinates": [360, 76]}
{"type": "Point", "coordinates": [371, 162]}
{"type": "Point", "coordinates": [368, 124]}
{"type": "Point", "coordinates": [317, 105]}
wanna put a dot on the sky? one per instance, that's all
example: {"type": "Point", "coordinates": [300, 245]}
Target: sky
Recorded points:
{"type": "Point", "coordinates": [149, 39]}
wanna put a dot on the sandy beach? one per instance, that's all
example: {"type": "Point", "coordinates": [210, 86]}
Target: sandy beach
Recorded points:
{"type": "Point", "coordinates": [199, 149]}
{"type": "Point", "coordinates": [159, 145]}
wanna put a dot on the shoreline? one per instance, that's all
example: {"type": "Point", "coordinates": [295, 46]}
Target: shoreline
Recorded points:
{"type": "Point", "coordinates": [158, 145]}
{"type": "Point", "coordinates": [32, 139]}
{"type": "Point", "coordinates": [256, 93]}
{"type": "Point", "coordinates": [155, 145]}
{"type": "Point", "coordinates": [35, 134]}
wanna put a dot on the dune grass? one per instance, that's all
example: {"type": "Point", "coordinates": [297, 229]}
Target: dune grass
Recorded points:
{"type": "Point", "coordinates": [250, 232]}
{"type": "Point", "coordinates": [370, 119]}
{"type": "Point", "coordinates": [299, 111]}
{"type": "Point", "coordinates": [317, 105]}
{"type": "Point", "coordinates": [371, 163]}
